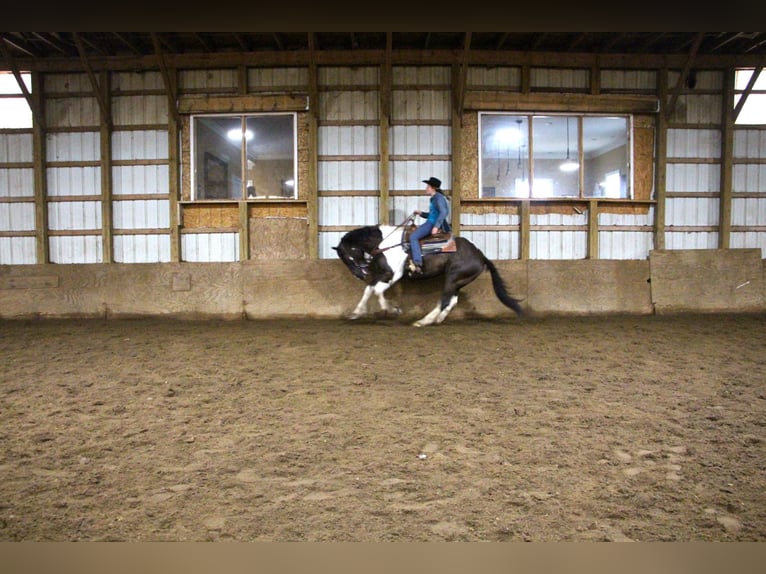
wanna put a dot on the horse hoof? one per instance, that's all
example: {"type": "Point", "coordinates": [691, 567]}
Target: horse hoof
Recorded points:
{"type": "Point", "coordinates": [396, 311]}
{"type": "Point", "coordinates": [418, 324]}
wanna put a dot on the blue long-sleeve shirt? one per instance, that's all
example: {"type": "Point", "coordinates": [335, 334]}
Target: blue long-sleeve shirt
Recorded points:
{"type": "Point", "coordinates": [438, 214]}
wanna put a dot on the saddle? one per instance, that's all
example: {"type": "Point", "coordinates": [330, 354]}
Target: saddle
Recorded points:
{"type": "Point", "coordinates": [442, 242]}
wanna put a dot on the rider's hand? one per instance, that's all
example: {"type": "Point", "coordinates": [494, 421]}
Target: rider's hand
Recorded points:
{"type": "Point", "coordinates": [434, 231]}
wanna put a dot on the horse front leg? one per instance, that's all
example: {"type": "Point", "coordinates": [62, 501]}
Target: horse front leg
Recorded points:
{"type": "Point", "coordinates": [361, 307]}
{"type": "Point", "coordinates": [380, 289]}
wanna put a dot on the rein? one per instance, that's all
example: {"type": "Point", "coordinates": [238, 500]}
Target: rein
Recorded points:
{"type": "Point", "coordinates": [379, 250]}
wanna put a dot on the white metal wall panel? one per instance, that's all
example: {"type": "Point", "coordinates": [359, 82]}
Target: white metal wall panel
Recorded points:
{"type": "Point", "coordinates": [345, 76]}
{"type": "Point", "coordinates": [624, 244]}
{"type": "Point", "coordinates": [499, 245]}
{"type": "Point", "coordinates": [76, 249]}
{"type": "Point", "coordinates": [141, 248]}
{"type": "Point", "coordinates": [749, 177]}
{"type": "Point", "coordinates": [558, 244]}
{"type": "Point", "coordinates": [704, 80]}
{"type": "Point", "coordinates": [348, 175]}
{"type": "Point", "coordinates": [694, 143]}
{"type": "Point", "coordinates": [750, 240]}
{"type": "Point", "coordinates": [749, 211]}
{"type": "Point", "coordinates": [328, 240]}
{"type": "Point", "coordinates": [72, 112]}
{"type": "Point", "coordinates": [346, 105]}
{"type": "Point", "coordinates": [409, 175]}
{"type": "Point", "coordinates": [421, 75]}
{"type": "Point", "coordinates": [421, 140]}
{"type": "Point", "coordinates": [702, 177]}
{"type": "Point", "coordinates": [551, 245]}
{"type": "Point", "coordinates": [692, 109]}
{"type": "Point", "coordinates": [17, 182]}
{"type": "Point", "coordinates": [17, 216]}
{"type": "Point", "coordinates": [356, 211]}
{"type": "Point", "coordinates": [139, 110]}
{"type": "Point", "coordinates": [210, 247]}
{"type": "Point", "coordinates": [278, 79]}
{"type": "Point", "coordinates": [691, 211]}
{"type": "Point", "coordinates": [621, 244]}
{"type": "Point", "coordinates": [401, 206]}
{"type": "Point", "coordinates": [141, 214]}
{"type": "Point", "coordinates": [131, 81]}
{"type": "Point", "coordinates": [500, 77]}
{"type": "Point", "coordinates": [421, 105]}
{"type": "Point", "coordinates": [66, 83]}
{"type": "Point", "coordinates": [749, 144]}
{"type": "Point", "coordinates": [562, 78]}
{"type": "Point", "coordinates": [138, 145]}
{"type": "Point", "coordinates": [74, 215]}
{"type": "Point", "coordinates": [16, 147]}
{"type": "Point", "coordinates": [628, 80]}
{"type": "Point", "coordinates": [140, 179]}
{"type": "Point", "coordinates": [77, 146]}
{"type": "Point", "coordinates": [348, 140]}
{"type": "Point", "coordinates": [18, 251]}
{"type": "Point", "coordinates": [690, 240]}
{"type": "Point", "coordinates": [73, 181]}
{"type": "Point", "coordinates": [208, 80]}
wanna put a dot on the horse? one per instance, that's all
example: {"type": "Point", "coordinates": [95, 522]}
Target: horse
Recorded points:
{"type": "Point", "coordinates": [378, 254]}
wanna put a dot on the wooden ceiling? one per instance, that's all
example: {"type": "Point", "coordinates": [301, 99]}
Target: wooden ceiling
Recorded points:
{"type": "Point", "coordinates": [43, 50]}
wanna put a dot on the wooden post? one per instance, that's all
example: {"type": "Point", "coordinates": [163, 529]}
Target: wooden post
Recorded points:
{"type": "Point", "coordinates": [593, 229]}
{"type": "Point", "coordinates": [660, 158]}
{"type": "Point", "coordinates": [383, 140]}
{"type": "Point", "coordinates": [42, 248]}
{"type": "Point", "coordinates": [174, 184]}
{"type": "Point", "coordinates": [457, 152]}
{"type": "Point", "coordinates": [727, 146]}
{"type": "Point", "coordinates": [312, 186]}
{"type": "Point", "coordinates": [107, 224]}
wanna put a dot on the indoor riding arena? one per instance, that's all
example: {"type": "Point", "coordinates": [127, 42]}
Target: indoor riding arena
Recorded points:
{"type": "Point", "coordinates": [179, 357]}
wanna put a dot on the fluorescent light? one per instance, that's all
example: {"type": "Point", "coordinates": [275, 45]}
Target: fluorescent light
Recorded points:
{"type": "Point", "coordinates": [569, 165]}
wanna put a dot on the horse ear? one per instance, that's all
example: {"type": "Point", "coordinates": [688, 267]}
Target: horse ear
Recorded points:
{"type": "Point", "coordinates": [336, 248]}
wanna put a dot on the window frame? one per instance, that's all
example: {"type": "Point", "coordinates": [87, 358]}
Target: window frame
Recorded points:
{"type": "Point", "coordinates": [579, 120]}
{"type": "Point", "coordinates": [16, 95]}
{"type": "Point", "coordinates": [244, 193]}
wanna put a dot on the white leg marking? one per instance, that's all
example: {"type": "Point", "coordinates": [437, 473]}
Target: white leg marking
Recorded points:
{"type": "Point", "coordinates": [361, 307]}
{"type": "Point", "coordinates": [430, 318]}
{"type": "Point", "coordinates": [447, 309]}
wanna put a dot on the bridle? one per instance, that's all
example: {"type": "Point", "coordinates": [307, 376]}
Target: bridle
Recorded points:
{"type": "Point", "coordinates": [378, 250]}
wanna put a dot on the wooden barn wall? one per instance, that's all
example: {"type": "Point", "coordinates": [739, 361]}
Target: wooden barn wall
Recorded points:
{"type": "Point", "coordinates": [106, 191]}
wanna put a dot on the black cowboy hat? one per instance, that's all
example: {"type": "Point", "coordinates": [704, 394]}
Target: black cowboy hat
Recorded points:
{"type": "Point", "coordinates": [433, 182]}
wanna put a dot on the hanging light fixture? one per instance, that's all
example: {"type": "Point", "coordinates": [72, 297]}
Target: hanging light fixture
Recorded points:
{"type": "Point", "coordinates": [569, 164]}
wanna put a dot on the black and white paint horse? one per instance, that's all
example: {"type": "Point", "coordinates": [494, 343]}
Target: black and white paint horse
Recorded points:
{"type": "Point", "coordinates": [376, 254]}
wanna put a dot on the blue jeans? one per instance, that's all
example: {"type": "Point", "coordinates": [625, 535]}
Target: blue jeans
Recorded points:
{"type": "Point", "coordinates": [424, 230]}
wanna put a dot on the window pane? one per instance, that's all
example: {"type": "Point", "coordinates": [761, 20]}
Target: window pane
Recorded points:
{"type": "Point", "coordinates": [218, 158]}
{"type": "Point", "coordinates": [754, 110]}
{"type": "Point", "coordinates": [555, 153]}
{"type": "Point", "coordinates": [15, 113]}
{"type": "Point", "coordinates": [606, 157]}
{"type": "Point", "coordinates": [742, 78]}
{"type": "Point", "coordinates": [504, 156]}
{"type": "Point", "coordinates": [271, 156]}
{"type": "Point", "coordinates": [9, 85]}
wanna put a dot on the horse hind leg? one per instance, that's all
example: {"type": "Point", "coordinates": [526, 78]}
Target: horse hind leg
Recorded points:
{"type": "Point", "coordinates": [438, 313]}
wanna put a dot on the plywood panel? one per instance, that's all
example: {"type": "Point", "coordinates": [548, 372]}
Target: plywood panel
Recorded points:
{"type": "Point", "coordinates": [277, 238]}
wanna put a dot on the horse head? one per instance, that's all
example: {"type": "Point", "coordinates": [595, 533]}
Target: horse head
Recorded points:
{"type": "Point", "coordinates": [355, 250]}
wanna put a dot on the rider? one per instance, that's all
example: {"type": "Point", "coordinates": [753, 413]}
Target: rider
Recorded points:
{"type": "Point", "coordinates": [437, 219]}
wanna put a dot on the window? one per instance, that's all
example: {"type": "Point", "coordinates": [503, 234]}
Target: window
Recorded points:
{"type": "Point", "coordinates": [244, 156]}
{"type": "Point", "coordinates": [754, 109]}
{"type": "Point", "coordinates": [569, 156]}
{"type": "Point", "coordinates": [14, 110]}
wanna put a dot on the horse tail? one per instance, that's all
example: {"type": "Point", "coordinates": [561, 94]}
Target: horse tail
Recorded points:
{"type": "Point", "coordinates": [500, 290]}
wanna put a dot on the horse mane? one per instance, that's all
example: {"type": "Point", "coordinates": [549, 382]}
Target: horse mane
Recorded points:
{"type": "Point", "coordinates": [368, 237]}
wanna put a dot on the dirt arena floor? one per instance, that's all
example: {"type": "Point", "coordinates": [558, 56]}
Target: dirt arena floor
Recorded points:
{"type": "Point", "coordinates": [640, 428]}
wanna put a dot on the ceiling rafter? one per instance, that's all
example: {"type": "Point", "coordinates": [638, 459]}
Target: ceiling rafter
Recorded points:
{"type": "Point", "coordinates": [241, 42]}
{"type": "Point", "coordinates": [127, 43]}
{"type": "Point", "coordinates": [685, 73]}
{"type": "Point", "coordinates": [502, 40]}
{"type": "Point", "coordinates": [16, 45]}
{"type": "Point", "coordinates": [203, 42]}
{"type": "Point", "coordinates": [577, 41]}
{"type": "Point", "coordinates": [97, 91]}
{"type": "Point", "coordinates": [169, 84]}
{"type": "Point", "coordinates": [278, 40]}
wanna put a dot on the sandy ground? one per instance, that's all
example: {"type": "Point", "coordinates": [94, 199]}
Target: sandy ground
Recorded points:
{"type": "Point", "coordinates": [549, 429]}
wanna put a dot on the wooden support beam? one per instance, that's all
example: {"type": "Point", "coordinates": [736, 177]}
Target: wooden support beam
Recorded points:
{"type": "Point", "coordinates": [130, 45]}
{"type": "Point", "coordinates": [106, 168]}
{"type": "Point", "coordinates": [312, 186]}
{"type": "Point", "coordinates": [383, 129]}
{"type": "Point", "coordinates": [728, 117]}
{"type": "Point", "coordinates": [35, 104]}
{"type": "Point", "coordinates": [174, 189]}
{"type": "Point", "coordinates": [461, 85]}
{"type": "Point", "coordinates": [660, 168]}
{"type": "Point", "coordinates": [42, 247]}
{"type": "Point", "coordinates": [684, 74]}
{"type": "Point", "coordinates": [169, 83]}
{"type": "Point", "coordinates": [103, 105]}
